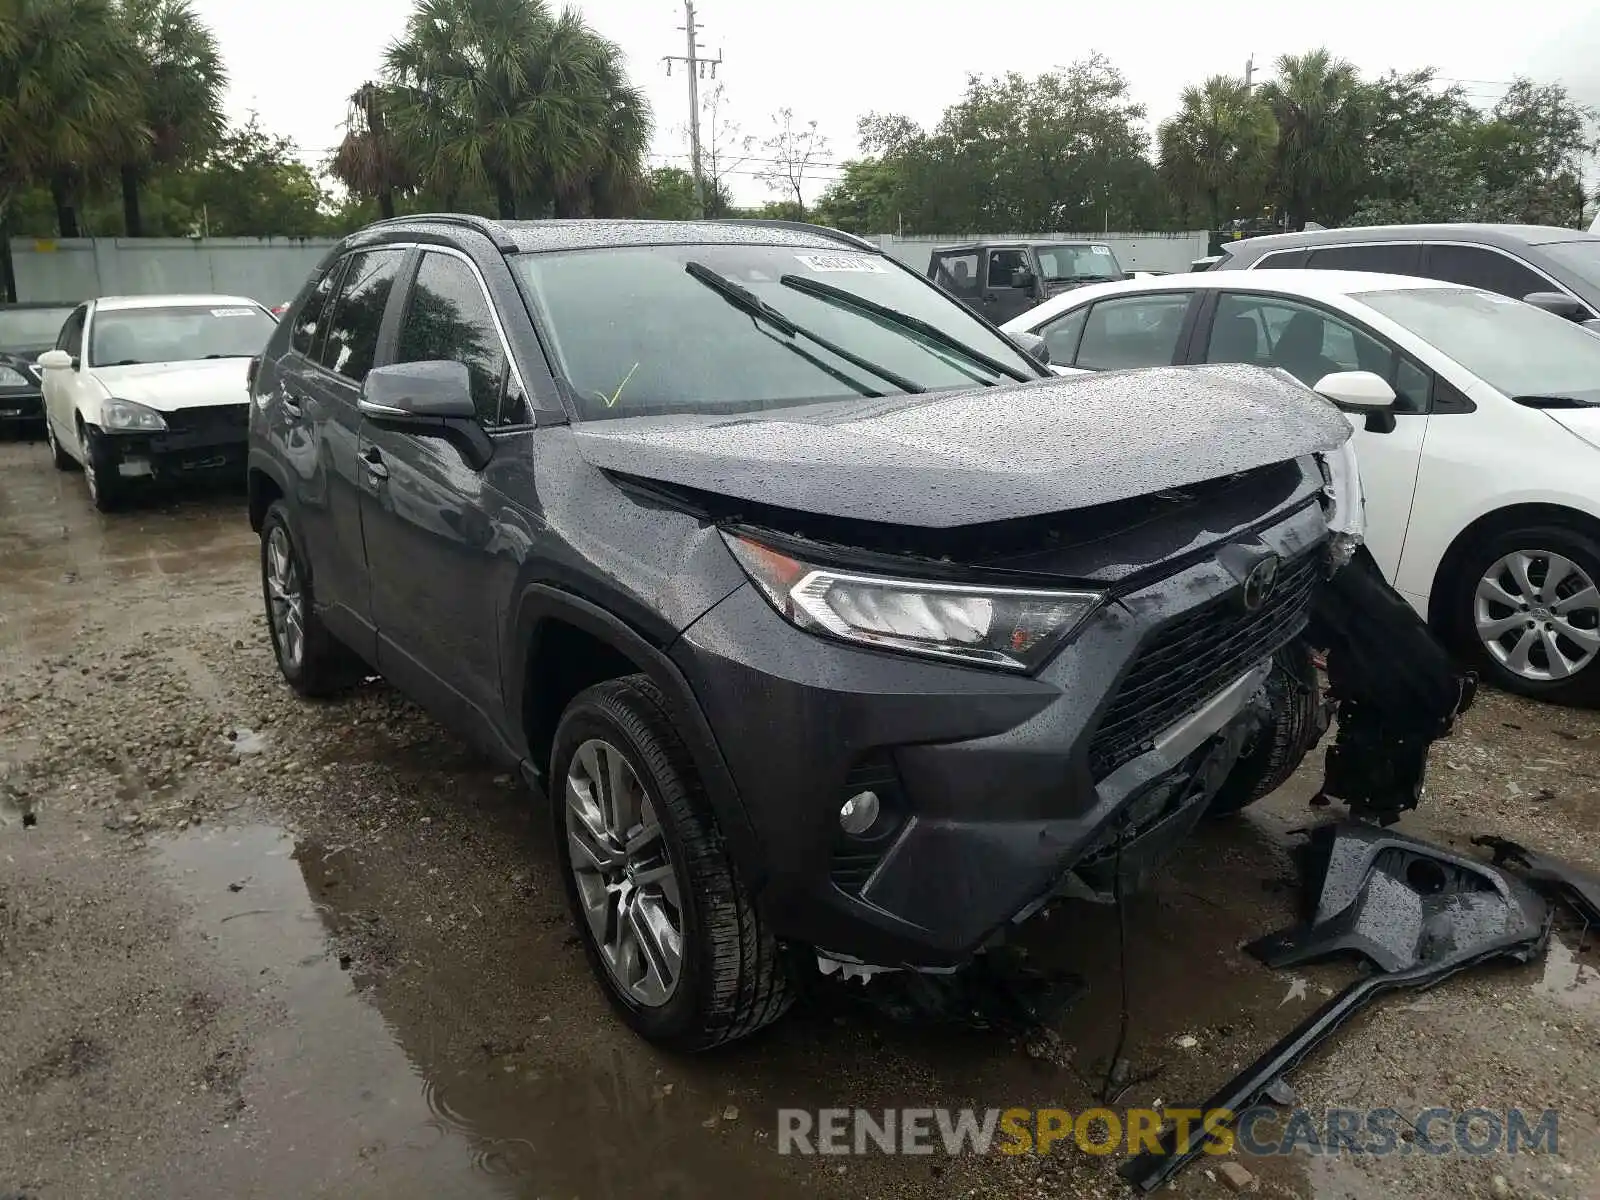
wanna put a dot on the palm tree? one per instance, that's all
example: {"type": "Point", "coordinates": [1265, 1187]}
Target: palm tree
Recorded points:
{"type": "Point", "coordinates": [182, 80]}
{"type": "Point", "coordinates": [67, 68]}
{"type": "Point", "coordinates": [535, 109]}
{"type": "Point", "coordinates": [1321, 109]}
{"type": "Point", "coordinates": [1218, 146]}
{"type": "Point", "coordinates": [369, 161]}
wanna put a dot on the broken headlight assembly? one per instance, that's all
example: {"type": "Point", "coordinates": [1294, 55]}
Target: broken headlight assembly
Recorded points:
{"type": "Point", "coordinates": [1012, 628]}
{"type": "Point", "coordinates": [1343, 501]}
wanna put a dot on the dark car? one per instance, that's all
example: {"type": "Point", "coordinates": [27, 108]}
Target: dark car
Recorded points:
{"type": "Point", "coordinates": [1001, 279]}
{"type": "Point", "coordinates": [833, 627]}
{"type": "Point", "coordinates": [1555, 268]}
{"type": "Point", "coordinates": [26, 331]}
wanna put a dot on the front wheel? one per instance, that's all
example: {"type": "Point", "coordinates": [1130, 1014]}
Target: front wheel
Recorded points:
{"type": "Point", "coordinates": [1526, 608]}
{"type": "Point", "coordinates": [1298, 721]}
{"type": "Point", "coordinates": [669, 930]}
{"type": "Point", "coordinates": [99, 476]}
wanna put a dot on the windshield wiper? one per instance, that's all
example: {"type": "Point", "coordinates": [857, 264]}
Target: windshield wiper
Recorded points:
{"type": "Point", "coordinates": [743, 298]}
{"type": "Point", "coordinates": [124, 362]}
{"type": "Point", "coordinates": [1551, 402]}
{"type": "Point", "coordinates": [826, 291]}
{"type": "Point", "coordinates": [206, 356]}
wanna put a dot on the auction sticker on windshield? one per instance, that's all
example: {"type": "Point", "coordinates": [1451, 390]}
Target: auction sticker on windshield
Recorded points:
{"type": "Point", "coordinates": [233, 312]}
{"type": "Point", "coordinates": [842, 262]}
{"type": "Point", "coordinates": [1105, 250]}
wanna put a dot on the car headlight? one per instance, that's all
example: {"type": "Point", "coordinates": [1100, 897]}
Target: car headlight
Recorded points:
{"type": "Point", "coordinates": [126, 416]}
{"type": "Point", "coordinates": [11, 377]}
{"type": "Point", "coordinates": [1014, 628]}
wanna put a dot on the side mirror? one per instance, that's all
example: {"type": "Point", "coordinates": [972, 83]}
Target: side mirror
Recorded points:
{"type": "Point", "coordinates": [1592, 325]}
{"type": "Point", "coordinates": [1033, 346]}
{"type": "Point", "coordinates": [56, 360]}
{"type": "Point", "coordinates": [428, 397]}
{"type": "Point", "coordinates": [1559, 304]}
{"type": "Point", "coordinates": [1022, 277]}
{"type": "Point", "coordinates": [1361, 392]}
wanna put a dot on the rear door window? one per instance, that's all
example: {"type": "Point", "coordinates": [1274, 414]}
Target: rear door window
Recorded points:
{"type": "Point", "coordinates": [352, 341]}
{"type": "Point", "coordinates": [1279, 259]}
{"type": "Point", "coordinates": [1132, 331]}
{"type": "Point", "coordinates": [308, 321]}
{"type": "Point", "coordinates": [1490, 270]}
{"type": "Point", "coordinates": [1387, 258]}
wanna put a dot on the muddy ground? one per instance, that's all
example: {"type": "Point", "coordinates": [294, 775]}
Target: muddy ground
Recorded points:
{"type": "Point", "coordinates": [252, 946]}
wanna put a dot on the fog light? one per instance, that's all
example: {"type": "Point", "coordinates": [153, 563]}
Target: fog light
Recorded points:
{"type": "Point", "coordinates": [859, 813]}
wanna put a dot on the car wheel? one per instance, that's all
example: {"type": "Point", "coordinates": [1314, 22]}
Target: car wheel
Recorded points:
{"type": "Point", "coordinates": [669, 930]}
{"type": "Point", "coordinates": [105, 489]}
{"type": "Point", "coordinates": [1527, 609]}
{"type": "Point", "coordinates": [1298, 721]}
{"type": "Point", "coordinates": [62, 460]}
{"type": "Point", "coordinates": [314, 662]}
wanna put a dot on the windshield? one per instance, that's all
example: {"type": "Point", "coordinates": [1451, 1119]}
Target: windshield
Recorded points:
{"type": "Point", "coordinates": [1076, 263]}
{"type": "Point", "coordinates": [23, 328]}
{"type": "Point", "coordinates": [635, 332]}
{"type": "Point", "coordinates": [1512, 346]}
{"type": "Point", "coordinates": [1581, 258]}
{"type": "Point", "coordinates": [179, 333]}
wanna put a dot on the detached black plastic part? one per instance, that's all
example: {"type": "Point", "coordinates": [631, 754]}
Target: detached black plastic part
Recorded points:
{"type": "Point", "coordinates": [1417, 912]}
{"type": "Point", "coordinates": [1550, 877]}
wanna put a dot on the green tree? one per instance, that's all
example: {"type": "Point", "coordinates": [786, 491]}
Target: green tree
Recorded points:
{"type": "Point", "coordinates": [794, 152]}
{"type": "Point", "coordinates": [669, 195]}
{"type": "Point", "coordinates": [67, 71]}
{"type": "Point", "coordinates": [254, 185]}
{"type": "Point", "coordinates": [1422, 160]}
{"type": "Point", "coordinates": [1216, 151]}
{"type": "Point", "coordinates": [534, 109]}
{"type": "Point", "coordinates": [1531, 152]}
{"type": "Point", "coordinates": [863, 199]}
{"type": "Point", "coordinates": [1322, 110]}
{"type": "Point", "coordinates": [179, 93]}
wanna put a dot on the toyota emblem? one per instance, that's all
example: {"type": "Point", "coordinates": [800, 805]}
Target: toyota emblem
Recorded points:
{"type": "Point", "coordinates": [1260, 582]}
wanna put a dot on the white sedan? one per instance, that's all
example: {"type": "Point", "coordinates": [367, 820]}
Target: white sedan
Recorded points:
{"type": "Point", "coordinates": [1483, 488]}
{"type": "Point", "coordinates": [150, 387]}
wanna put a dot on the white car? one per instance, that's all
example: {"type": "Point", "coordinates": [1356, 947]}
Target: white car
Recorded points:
{"type": "Point", "coordinates": [151, 387]}
{"type": "Point", "coordinates": [1482, 488]}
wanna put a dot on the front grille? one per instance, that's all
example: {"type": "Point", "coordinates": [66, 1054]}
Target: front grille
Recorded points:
{"type": "Point", "coordinates": [211, 418]}
{"type": "Point", "coordinates": [1194, 658]}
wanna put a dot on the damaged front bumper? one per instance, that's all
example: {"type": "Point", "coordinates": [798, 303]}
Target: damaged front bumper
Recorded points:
{"type": "Point", "coordinates": [996, 791]}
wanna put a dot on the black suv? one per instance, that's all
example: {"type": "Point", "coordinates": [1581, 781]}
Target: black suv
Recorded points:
{"type": "Point", "coordinates": [836, 630]}
{"type": "Point", "coordinates": [1001, 280]}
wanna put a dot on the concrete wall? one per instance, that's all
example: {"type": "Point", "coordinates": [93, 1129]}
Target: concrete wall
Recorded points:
{"type": "Point", "coordinates": [269, 270]}
{"type": "Point", "coordinates": [1135, 251]}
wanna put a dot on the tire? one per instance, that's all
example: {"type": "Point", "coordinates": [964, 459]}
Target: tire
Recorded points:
{"type": "Point", "coordinates": [731, 975]}
{"type": "Point", "coordinates": [312, 660]}
{"type": "Point", "coordinates": [105, 489]}
{"type": "Point", "coordinates": [1299, 719]}
{"type": "Point", "coordinates": [59, 457]}
{"type": "Point", "coordinates": [1574, 631]}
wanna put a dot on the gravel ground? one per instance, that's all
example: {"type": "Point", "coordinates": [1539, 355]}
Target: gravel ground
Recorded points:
{"type": "Point", "coordinates": [251, 945]}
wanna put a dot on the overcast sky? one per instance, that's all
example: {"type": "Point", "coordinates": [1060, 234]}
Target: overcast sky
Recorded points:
{"type": "Point", "coordinates": [296, 62]}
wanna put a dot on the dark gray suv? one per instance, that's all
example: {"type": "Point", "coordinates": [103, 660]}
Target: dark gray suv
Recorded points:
{"type": "Point", "coordinates": [1555, 268]}
{"type": "Point", "coordinates": [835, 629]}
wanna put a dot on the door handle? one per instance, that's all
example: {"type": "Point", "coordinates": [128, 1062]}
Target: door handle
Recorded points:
{"type": "Point", "coordinates": [373, 461]}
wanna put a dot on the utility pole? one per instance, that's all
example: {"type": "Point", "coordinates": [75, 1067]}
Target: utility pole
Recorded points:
{"type": "Point", "coordinates": [1249, 71]}
{"type": "Point", "coordinates": [696, 66]}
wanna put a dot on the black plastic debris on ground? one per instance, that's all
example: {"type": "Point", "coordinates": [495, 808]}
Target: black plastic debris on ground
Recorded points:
{"type": "Point", "coordinates": [1550, 877]}
{"type": "Point", "coordinates": [1417, 912]}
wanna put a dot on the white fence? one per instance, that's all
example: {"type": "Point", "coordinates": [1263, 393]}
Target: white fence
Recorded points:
{"type": "Point", "coordinates": [269, 270]}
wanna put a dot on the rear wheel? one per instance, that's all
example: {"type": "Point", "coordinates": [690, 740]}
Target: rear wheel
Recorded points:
{"type": "Point", "coordinates": [314, 662]}
{"type": "Point", "coordinates": [669, 930]}
{"type": "Point", "coordinates": [1526, 608]}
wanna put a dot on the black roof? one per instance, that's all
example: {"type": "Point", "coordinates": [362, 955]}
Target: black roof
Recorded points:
{"type": "Point", "coordinates": [985, 243]}
{"type": "Point", "coordinates": [534, 237]}
{"type": "Point", "coordinates": [4, 305]}
{"type": "Point", "coordinates": [1508, 236]}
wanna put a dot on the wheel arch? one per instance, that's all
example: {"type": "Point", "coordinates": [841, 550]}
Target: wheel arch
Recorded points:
{"type": "Point", "coordinates": [263, 485]}
{"type": "Point", "coordinates": [1498, 521]}
{"type": "Point", "coordinates": [563, 643]}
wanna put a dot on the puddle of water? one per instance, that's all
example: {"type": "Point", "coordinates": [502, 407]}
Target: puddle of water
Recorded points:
{"type": "Point", "coordinates": [409, 1096]}
{"type": "Point", "coordinates": [1567, 979]}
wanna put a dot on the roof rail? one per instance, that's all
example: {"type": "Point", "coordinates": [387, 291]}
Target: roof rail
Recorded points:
{"type": "Point", "coordinates": [490, 229]}
{"type": "Point", "coordinates": [837, 235]}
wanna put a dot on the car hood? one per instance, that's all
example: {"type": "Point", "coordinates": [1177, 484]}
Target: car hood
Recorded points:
{"type": "Point", "coordinates": [990, 454]}
{"type": "Point", "coordinates": [1584, 422]}
{"type": "Point", "coordinates": [170, 386]}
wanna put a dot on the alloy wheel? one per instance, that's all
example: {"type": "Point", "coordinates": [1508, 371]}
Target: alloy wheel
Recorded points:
{"type": "Point", "coordinates": [91, 477]}
{"type": "Point", "coordinates": [624, 874]}
{"type": "Point", "coordinates": [285, 599]}
{"type": "Point", "coordinates": [1538, 614]}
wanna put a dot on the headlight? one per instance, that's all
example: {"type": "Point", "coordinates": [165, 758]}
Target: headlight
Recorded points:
{"type": "Point", "coordinates": [125, 415]}
{"type": "Point", "coordinates": [11, 377]}
{"type": "Point", "coordinates": [1013, 628]}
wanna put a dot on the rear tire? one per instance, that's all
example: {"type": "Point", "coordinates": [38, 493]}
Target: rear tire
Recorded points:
{"type": "Point", "coordinates": [312, 660]}
{"type": "Point", "coordinates": [1299, 719]}
{"type": "Point", "coordinates": [731, 977]}
{"type": "Point", "coordinates": [1544, 626]}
